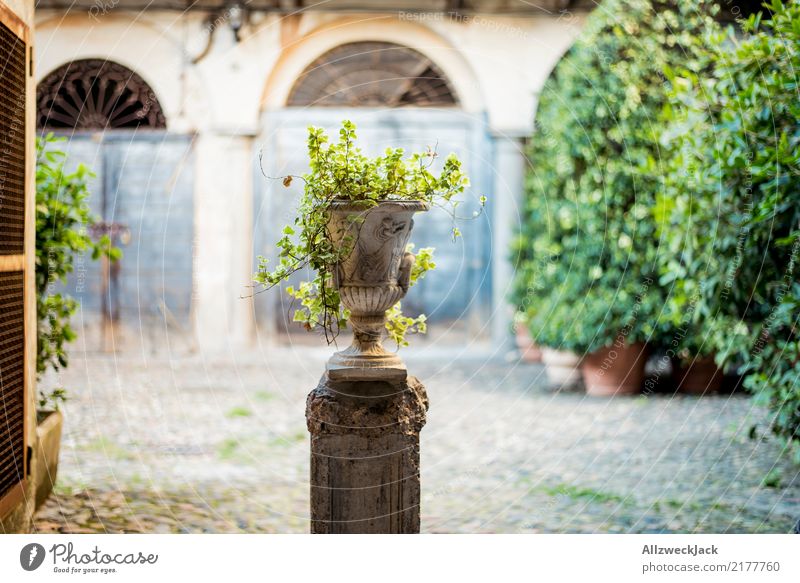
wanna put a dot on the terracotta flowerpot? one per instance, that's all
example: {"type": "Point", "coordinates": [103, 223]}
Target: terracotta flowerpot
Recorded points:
{"type": "Point", "coordinates": [48, 433]}
{"type": "Point", "coordinates": [563, 369]}
{"type": "Point", "coordinates": [528, 351]}
{"type": "Point", "coordinates": [372, 277]}
{"type": "Point", "coordinates": [698, 376]}
{"type": "Point", "coordinates": [615, 370]}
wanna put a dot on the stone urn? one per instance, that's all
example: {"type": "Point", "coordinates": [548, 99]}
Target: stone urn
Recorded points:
{"type": "Point", "coordinates": [373, 276]}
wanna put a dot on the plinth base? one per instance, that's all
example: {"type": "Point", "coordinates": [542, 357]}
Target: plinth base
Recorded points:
{"type": "Point", "coordinates": [365, 475]}
{"type": "Point", "coordinates": [349, 365]}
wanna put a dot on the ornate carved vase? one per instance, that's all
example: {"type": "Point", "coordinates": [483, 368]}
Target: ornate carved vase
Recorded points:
{"type": "Point", "coordinates": [372, 278]}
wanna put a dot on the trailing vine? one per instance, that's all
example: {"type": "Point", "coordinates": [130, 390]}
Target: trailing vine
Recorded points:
{"type": "Point", "coordinates": [63, 220]}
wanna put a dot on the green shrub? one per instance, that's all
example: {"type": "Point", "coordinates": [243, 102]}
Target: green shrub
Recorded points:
{"type": "Point", "coordinates": [62, 220]}
{"type": "Point", "coordinates": [733, 205]}
{"type": "Point", "coordinates": [588, 252]}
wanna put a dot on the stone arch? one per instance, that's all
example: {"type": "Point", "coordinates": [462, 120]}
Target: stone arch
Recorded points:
{"type": "Point", "coordinates": [372, 74]}
{"type": "Point", "coordinates": [97, 94]}
{"type": "Point", "coordinates": [298, 57]}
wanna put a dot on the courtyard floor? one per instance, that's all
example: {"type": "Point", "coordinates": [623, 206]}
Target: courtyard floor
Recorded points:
{"type": "Point", "coordinates": [192, 444]}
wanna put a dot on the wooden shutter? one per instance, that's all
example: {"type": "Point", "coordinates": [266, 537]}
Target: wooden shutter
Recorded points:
{"type": "Point", "coordinates": [16, 260]}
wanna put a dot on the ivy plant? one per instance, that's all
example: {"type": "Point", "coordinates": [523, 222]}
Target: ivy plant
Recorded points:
{"type": "Point", "coordinates": [733, 213]}
{"type": "Point", "coordinates": [63, 219]}
{"type": "Point", "coordinates": [588, 251]}
{"type": "Point", "coordinates": [339, 171]}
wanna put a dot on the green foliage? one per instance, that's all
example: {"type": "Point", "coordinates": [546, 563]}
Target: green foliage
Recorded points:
{"type": "Point", "coordinates": [587, 254]}
{"type": "Point", "coordinates": [339, 171]}
{"type": "Point", "coordinates": [772, 479]}
{"type": "Point", "coordinates": [732, 205]}
{"type": "Point", "coordinates": [62, 220]}
{"type": "Point", "coordinates": [239, 412]}
{"type": "Point", "coordinates": [228, 449]}
{"type": "Point", "coordinates": [398, 325]}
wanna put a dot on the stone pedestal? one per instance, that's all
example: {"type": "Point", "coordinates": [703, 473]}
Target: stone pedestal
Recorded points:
{"type": "Point", "coordinates": [365, 474]}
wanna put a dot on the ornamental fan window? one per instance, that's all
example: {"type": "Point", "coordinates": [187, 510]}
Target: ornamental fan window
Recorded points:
{"type": "Point", "coordinates": [95, 94]}
{"type": "Point", "coordinates": [372, 74]}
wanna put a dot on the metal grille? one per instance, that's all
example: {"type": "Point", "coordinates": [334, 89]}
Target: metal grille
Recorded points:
{"type": "Point", "coordinates": [12, 366]}
{"type": "Point", "coordinates": [12, 148]}
{"type": "Point", "coordinates": [372, 74]}
{"type": "Point", "coordinates": [93, 94]}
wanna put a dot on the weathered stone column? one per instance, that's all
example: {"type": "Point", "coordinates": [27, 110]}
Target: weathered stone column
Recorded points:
{"type": "Point", "coordinates": [509, 184]}
{"type": "Point", "coordinates": [365, 472]}
{"type": "Point", "coordinates": [222, 244]}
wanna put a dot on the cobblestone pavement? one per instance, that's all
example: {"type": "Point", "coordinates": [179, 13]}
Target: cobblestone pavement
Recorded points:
{"type": "Point", "coordinates": [191, 444]}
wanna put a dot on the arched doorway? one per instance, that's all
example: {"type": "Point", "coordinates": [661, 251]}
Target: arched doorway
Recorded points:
{"type": "Point", "coordinates": [372, 74]}
{"type": "Point", "coordinates": [142, 192]}
{"type": "Point", "coordinates": [396, 96]}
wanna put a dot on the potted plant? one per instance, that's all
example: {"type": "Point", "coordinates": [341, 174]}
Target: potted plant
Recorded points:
{"type": "Point", "coordinates": [535, 252]}
{"type": "Point", "coordinates": [528, 350]}
{"type": "Point", "coordinates": [562, 364]}
{"type": "Point", "coordinates": [692, 332]}
{"type": "Point", "coordinates": [698, 375]}
{"type": "Point", "coordinates": [594, 180]}
{"type": "Point", "coordinates": [617, 369]}
{"type": "Point", "coordinates": [352, 229]}
{"type": "Point", "coordinates": [732, 205]}
{"type": "Point", "coordinates": [62, 221]}
{"type": "Point", "coordinates": [563, 369]}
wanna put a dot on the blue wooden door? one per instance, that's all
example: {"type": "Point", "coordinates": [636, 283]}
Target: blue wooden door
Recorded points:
{"type": "Point", "coordinates": [143, 192]}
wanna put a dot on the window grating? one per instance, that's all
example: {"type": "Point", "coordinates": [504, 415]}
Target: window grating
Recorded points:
{"type": "Point", "coordinates": [372, 74]}
{"type": "Point", "coordinates": [93, 94]}
{"type": "Point", "coordinates": [12, 148]}
{"type": "Point", "coordinates": [12, 367]}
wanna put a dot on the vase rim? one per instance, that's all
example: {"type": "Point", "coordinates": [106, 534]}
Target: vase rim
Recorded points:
{"type": "Point", "coordinates": [407, 205]}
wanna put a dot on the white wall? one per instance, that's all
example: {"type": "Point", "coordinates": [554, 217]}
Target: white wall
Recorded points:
{"type": "Point", "coordinates": [496, 64]}
{"type": "Point", "coordinates": [223, 239]}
